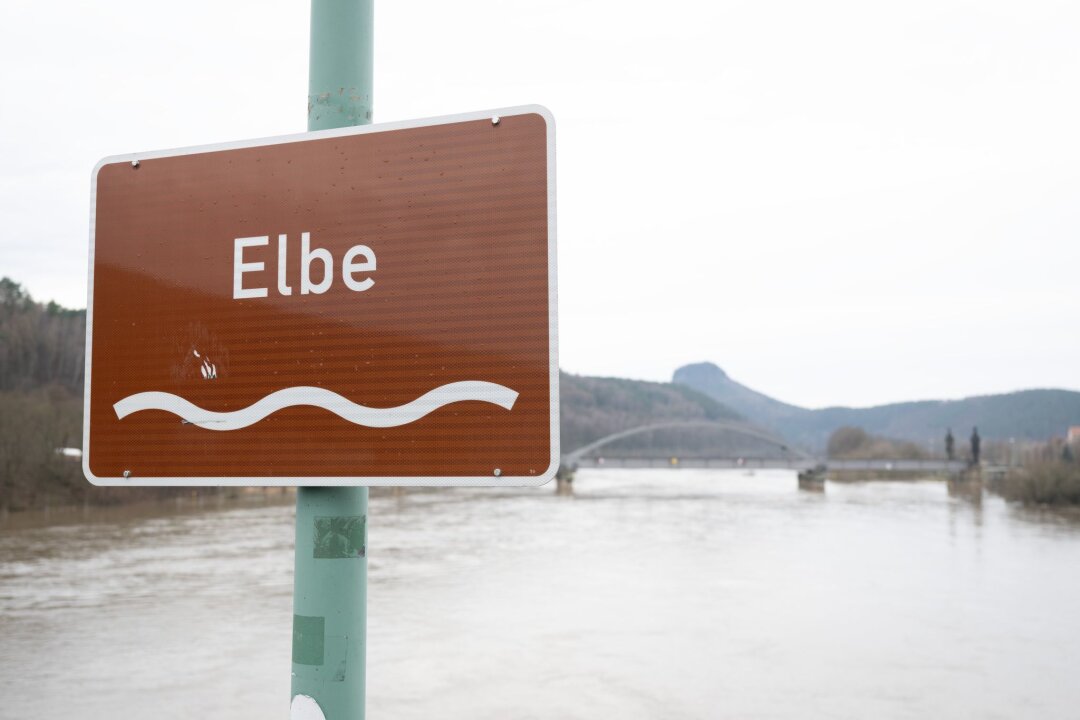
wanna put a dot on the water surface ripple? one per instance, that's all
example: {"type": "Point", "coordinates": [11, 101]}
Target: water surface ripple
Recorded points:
{"type": "Point", "coordinates": [647, 594]}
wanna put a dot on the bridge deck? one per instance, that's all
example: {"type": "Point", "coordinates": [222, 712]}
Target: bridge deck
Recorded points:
{"type": "Point", "coordinates": [940, 466]}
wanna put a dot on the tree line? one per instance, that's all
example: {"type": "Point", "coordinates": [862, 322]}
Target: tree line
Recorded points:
{"type": "Point", "coordinates": [41, 381]}
{"type": "Point", "coordinates": [40, 345]}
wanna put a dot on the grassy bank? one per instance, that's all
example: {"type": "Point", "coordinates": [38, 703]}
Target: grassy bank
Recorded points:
{"type": "Point", "coordinates": [1055, 483]}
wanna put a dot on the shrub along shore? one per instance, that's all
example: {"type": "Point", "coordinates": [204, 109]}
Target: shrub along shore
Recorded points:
{"type": "Point", "coordinates": [1055, 483]}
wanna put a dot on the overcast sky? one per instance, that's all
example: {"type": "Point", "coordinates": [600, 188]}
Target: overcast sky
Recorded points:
{"type": "Point", "coordinates": [837, 202]}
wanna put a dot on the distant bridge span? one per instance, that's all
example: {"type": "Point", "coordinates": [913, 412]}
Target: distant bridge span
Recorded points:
{"type": "Point", "coordinates": [797, 464]}
{"type": "Point", "coordinates": [796, 460]}
{"type": "Point", "coordinates": [574, 457]}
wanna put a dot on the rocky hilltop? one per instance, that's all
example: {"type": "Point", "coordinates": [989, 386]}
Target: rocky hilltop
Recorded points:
{"type": "Point", "coordinates": [1023, 415]}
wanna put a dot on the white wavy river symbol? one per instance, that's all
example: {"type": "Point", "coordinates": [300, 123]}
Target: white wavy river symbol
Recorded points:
{"type": "Point", "coordinates": [344, 408]}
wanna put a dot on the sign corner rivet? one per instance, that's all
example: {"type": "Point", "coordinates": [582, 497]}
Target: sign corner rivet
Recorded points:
{"type": "Point", "coordinates": [495, 120]}
{"type": "Point", "coordinates": [127, 473]}
{"type": "Point", "coordinates": [498, 472]}
{"type": "Point", "coordinates": [134, 163]}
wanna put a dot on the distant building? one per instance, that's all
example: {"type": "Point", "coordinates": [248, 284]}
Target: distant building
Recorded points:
{"type": "Point", "coordinates": [1073, 436]}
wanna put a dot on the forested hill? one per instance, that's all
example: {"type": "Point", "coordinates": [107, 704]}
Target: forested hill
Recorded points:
{"type": "Point", "coordinates": [41, 377]}
{"type": "Point", "coordinates": [1024, 415]}
{"type": "Point", "coordinates": [594, 407]}
{"type": "Point", "coordinates": [40, 345]}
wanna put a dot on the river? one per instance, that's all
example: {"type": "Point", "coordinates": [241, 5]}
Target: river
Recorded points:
{"type": "Point", "coordinates": [648, 594]}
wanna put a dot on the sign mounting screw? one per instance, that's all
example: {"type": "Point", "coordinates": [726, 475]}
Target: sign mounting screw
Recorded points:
{"type": "Point", "coordinates": [498, 472]}
{"type": "Point", "coordinates": [134, 163]}
{"type": "Point", "coordinates": [495, 120]}
{"type": "Point", "coordinates": [127, 473]}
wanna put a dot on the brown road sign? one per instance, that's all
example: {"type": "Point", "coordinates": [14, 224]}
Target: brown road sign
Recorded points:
{"type": "Point", "coordinates": [370, 306]}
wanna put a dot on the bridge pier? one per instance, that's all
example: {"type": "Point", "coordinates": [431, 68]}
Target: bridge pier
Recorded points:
{"type": "Point", "coordinates": [967, 478]}
{"type": "Point", "coordinates": [564, 480]}
{"type": "Point", "coordinates": [813, 479]}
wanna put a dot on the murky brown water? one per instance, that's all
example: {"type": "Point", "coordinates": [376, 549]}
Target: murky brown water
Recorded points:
{"type": "Point", "coordinates": [649, 594]}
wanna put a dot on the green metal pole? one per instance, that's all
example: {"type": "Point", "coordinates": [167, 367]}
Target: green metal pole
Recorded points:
{"type": "Point", "coordinates": [330, 582]}
{"type": "Point", "coordinates": [339, 74]}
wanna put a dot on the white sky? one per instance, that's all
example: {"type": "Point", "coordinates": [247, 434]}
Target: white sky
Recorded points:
{"type": "Point", "coordinates": [837, 202]}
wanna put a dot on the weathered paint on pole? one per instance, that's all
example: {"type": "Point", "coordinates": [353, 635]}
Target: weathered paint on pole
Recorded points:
{"type": "Point", "coordinates": [339, 74]}
{"type": "Point", "coordinates": [329, 645]}
{"type": "Point", "coordinates": [330, 600]}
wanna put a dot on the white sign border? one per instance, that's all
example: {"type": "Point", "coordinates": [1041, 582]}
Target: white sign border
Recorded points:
{"type": "Point", "coordinates": [344, 481]}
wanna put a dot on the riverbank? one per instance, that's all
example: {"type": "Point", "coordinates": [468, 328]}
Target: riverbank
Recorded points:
{"type": "Point", "coordinates": [184, 501]}
{"type": "Point", "coordinates": [860, 476]}
{"type": "Point", "coordinates": [1052, 483]}
{"type": "Point", "coordinates": [129, 504]}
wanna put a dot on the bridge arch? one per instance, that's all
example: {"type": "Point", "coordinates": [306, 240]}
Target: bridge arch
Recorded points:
{"type": "Point", "coordinates": [570, 459]}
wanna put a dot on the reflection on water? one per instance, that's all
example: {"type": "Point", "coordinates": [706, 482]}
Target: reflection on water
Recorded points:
{"type": "Point", "coordinates": [644, 594]}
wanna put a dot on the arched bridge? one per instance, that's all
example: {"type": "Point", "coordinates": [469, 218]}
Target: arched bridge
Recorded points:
{"type": "Point", "coordinates": [573, 458]}
{"type": "Point", "coordinates": [794, 459]}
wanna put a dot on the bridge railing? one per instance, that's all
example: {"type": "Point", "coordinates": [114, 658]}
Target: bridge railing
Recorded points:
{"type": "Point", "coordinates": [953, 466]}
{"type": "Point", "coordinates": [691, 462]}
